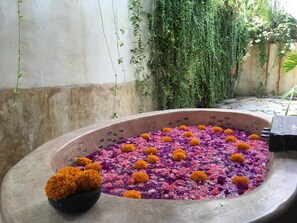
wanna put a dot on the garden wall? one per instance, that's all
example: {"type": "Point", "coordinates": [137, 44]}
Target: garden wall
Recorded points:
{"type": "Point", "coordinates": [269, 79]}
{"type": "Point", "coordinates": [75, 61]}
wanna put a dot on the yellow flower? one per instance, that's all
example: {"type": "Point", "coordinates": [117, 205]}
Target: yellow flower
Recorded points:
{"type": "Point", "coordinates": [87, 180]}
{"type": "Point", "coordinates": [82, 161]}
{"type": "Point", "coordinates": [179, 156]}
{"type": "Point", "coordinates": [166, 130]}
{"type": "Point", "coordinates": [128, 148]}
{"type": "Point", "coordinates": [195, 142]}
{"type": "Point", "coordinates": [201, 127]}
{"type": "Point", "coordinates": [230, 139]}
{"type": "Point", "coordinates": [199, 176]}
{"type": "Point", "coordinates": [140, 164]}
{"type": "Point", "coordinates": [179, 151]}
{"type": "Point", "coordinates": [237, 157]}
{"type": "Point", "coordinates": [166, 139]}
{"type": "Point", "coordinates": [182, 127]}
{"type": "Point", "coordinates": [132, 194]}
{"type": "Point", "coordinates": [188, 134]}
{"type": "Point", "coordinates": [228, 131]}
{"type": "Point", "coordinates": [152, 158]}
{"type": "Point", "coordinates": [243, 145]}
{"type": "Point", "coordinates": [140, 177]}
{"type": "Point", "coordinates": [94, 166]}
{"type": "Point", "coordinates": [217, 129]}
{"type": "Point", "coordinates": [145, 136]}
{"type": "Point", "coordinates": [150, 151]}
{"type": "Point", "coordinates": [60, 186]}
{"type": "Point", "coordinates": [254, 137]}
{"type": "Point", "coordinates": [240, 179]}
{"type": "Point", "coordinates": [72, 171]}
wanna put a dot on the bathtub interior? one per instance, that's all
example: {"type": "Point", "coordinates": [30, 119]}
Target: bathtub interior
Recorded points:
{"type": "Point", "coordinates": [117, 131]}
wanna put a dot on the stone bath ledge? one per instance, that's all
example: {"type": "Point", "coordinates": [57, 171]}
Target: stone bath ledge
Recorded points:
{"type": "Point", "coordinates": [23, 198]}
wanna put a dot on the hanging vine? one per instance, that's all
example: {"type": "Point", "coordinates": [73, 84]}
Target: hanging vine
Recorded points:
{"type": "Point", "coordinates": [139, 52]}
{"type": "Point", "coordinates": [19, 60]}
{"type": "Point", "coordinates": [197, 46]}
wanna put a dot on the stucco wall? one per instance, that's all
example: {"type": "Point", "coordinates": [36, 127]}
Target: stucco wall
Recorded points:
{"type": "Point", "coordinates": [70, 51]}
{"type": "Point", "coordinates": [270, 78]}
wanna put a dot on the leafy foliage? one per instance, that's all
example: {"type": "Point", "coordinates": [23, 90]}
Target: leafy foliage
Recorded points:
{"type": "Point", "coordinates": [290, 63]}
{"type": "Point", "coordinates": [197, 47]}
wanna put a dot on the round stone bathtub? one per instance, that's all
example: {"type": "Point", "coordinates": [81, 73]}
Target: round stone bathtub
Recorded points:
{"type": "Point", "coordinates": [23, 198]}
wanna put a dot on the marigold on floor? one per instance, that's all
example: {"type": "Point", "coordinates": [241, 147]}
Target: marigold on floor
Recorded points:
{"type": "Point", "coordinates": [179, 150]}
{"type": "Point", "coordinates": [150, 151]}
{"type": "Point", "coordinates": [217, 129]}
{"type": "Point", "coordinates": [240, 180]}
{"type": "Point", "coordinates": [179, 156]}
{"type": "Point", "coordinates": [152, 158]}
{"type": "Point", "coordinates": [140, 164]}
{"type": "Point", "coordinates": [237, 157]}
{"type": "Point", "coordinates": [199, 176]}
{"type": "Point", "coordinates": [140, 177]}
{"type": "Point", "coordinates": [82, 161]}
{"type": "Point", "coordinates": [228, 131]}
{"type": "Point", "coordinates": [201, 127]}
{"type": "Point", "coordinates": [128, 148]}
{"type": "Point", "coordinates": [166, 130]}
{"type": "Point", "coordinates": [254, 137]}
{"type": "Point", "coordinates": [166, 139]}
{"type": "Point", "coordinates": [94, 166]}
{"type": "Point", "coordinates": [195, 142]}
{"type": "Point", "coordinates": [188, 134]}
{"type": "Point", "coordinates": [230, 139]}
{"type": "Point", "coordinates": [145, 136]}
{"type": "Point", "coordinates": [243, 145]}
{"type": "Point", "coordinates": [132, 194]}
{"type": "Point", "coordinates": [182, 127]}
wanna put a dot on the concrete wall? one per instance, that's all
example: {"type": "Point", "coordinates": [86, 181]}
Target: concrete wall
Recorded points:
{"type": "Point", "coordinates": [70, 51]}
{"type": "Point", "coordinates": [270, 78]}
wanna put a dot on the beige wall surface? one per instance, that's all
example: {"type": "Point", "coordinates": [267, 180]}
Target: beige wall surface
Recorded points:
{"type": "Point", "coordinates": [69, 58]}
{"type": "Point", "coordinates": [270, 78]}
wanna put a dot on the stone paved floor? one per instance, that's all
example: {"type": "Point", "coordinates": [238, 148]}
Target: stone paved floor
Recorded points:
{"type": "Point", "coordinates": [268, 106]}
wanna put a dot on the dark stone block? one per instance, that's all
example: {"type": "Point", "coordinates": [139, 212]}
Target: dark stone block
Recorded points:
{"type": "Point", "coordinates": [283, 134]}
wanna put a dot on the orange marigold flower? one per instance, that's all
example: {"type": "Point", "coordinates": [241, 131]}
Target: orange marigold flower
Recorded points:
{"type": "Point", "coordinates": [240, 179]}
{"type": "Point", "coordinates": [60, 186]}
{"type": "Point", "coordinates": [243, 146]}
{"type": "Point", "coordinates": [150, 151]}
{"type": "Point", "coordinates": [166, 130]}
{"type": "Point", "coordinates": [195, 142]}
{"type": "Point", "coordinates": [254, 137]}
{"type": "Point", "coordinates": [140, 177]}
{"type": "Point", "coordinates": [166, 139]}
{"type": "Point", "coordinates": [237, 157]}
{"type": "Point", "coordinates": [217, 129]}
{"type": "Point", "coordinates": [94, 166]}
{"type": "Point", "coordinates": [88, 180]}
{"type": "Point", "coordinates": [72, 171]}
{"type": "Point", "coordinates": [152, 158]}
{"type": "Point", "coordinates": [145, 136]}
{"type": "Point", "coordinates": [82, 161]}
{"type": "Point", "coordinates": [182, 127]}
{"type": "Point", "coordinates": [128, 148]}
{"type": "Point", "coordinates": [228, 131]}
{"type": "Point", "coordinates": [201, 127]}
{"type": "Point", "coordinates": [188, 134]}
{"type": "Point", "coordinates": [179, 151]}
{"type": "Point", "coordinates": [140, 164]}
{"type": "Point", "coordinates": [132, 194]}
{"type": "Point", "coordinates": [230, 139]}
{"type": "Point", "coordinates": [199, 176]}
{"type": "Point", "coordinates": [179, 156]}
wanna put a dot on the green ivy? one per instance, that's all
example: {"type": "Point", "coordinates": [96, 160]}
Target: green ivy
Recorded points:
{"type": "Point", "coordinates": [197, 47]}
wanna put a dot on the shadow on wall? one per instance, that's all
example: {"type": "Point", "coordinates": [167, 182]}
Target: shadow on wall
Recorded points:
{"type": "Point", "coordinates": [46, 113]}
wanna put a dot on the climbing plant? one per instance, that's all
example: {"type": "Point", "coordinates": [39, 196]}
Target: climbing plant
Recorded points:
{"type": "Point", "coordinates": [139, 52]}
{"type": "Point", "coordinates": [19, 59]}
{"type": "Point", "coordinates": [197, 46]}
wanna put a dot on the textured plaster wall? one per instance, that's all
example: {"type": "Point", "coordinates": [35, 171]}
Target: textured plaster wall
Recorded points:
{"type": "Point", "coordinates": [70, 52]}
{"type": "Point", "coordinates": [63, 42]}
{"type": "Point", "coordinates": [273, 78]}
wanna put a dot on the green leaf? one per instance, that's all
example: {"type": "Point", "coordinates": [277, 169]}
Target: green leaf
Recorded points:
{"type": "Point", "coordinates": [290, 92]}
{"type": "Point", "coordinates": [290, 62]}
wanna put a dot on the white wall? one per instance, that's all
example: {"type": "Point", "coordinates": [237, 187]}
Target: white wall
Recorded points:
{"type": "Point", "coordinates": [63, 42]}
